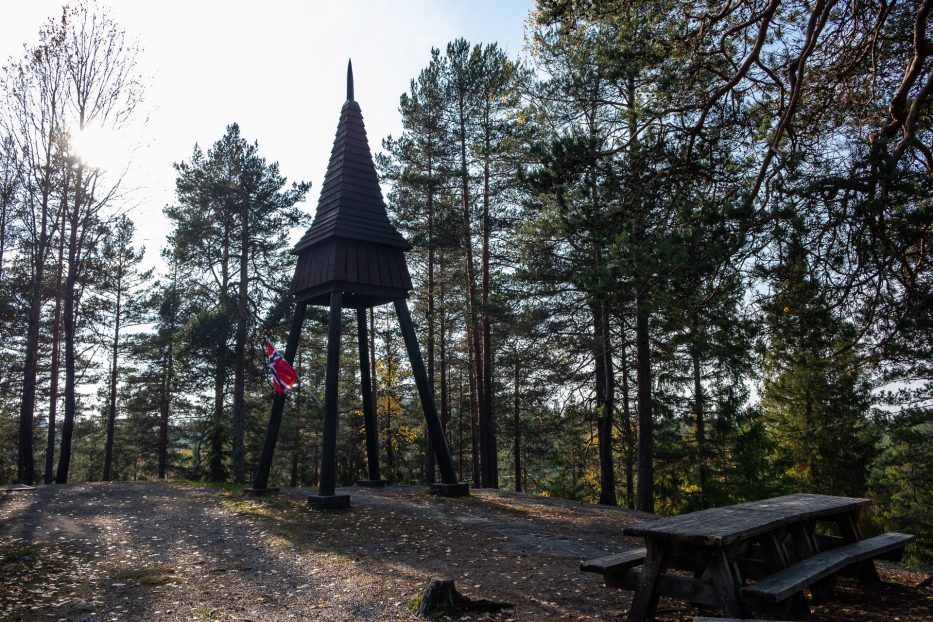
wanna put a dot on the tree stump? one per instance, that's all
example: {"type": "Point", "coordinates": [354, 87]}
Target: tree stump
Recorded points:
{"type": "Point", "coordinates": [441, 596]}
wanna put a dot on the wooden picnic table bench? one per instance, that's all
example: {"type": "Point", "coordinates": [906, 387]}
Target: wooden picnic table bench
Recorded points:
{"type": "Point", "coordinates": [748, 558]}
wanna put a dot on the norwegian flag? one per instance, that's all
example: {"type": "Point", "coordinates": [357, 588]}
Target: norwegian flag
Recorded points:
{"type": "Point", "coordinates": [283, 375]}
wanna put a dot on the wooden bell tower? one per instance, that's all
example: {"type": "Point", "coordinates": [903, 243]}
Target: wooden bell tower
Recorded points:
{"type": "Point", "coordinates": [352, 257]}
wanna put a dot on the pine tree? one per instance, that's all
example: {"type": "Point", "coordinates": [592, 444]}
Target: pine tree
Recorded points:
{"type": "Point", "coordinates": [119, 299]}
{"type": "Point", "coordinates": [33, 119]}
{"type": "Point", "coordinates": [100, 60]}
{"type": "Point", "coordinates": [416, 164]}
{"type": "Point", "coordinates": [232, 208]}
{"type": "Point", "coordinates": [815, 386]}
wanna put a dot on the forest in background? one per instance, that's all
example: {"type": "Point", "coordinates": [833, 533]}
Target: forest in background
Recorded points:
{"type": "Point", "coordinates": [673, 256]}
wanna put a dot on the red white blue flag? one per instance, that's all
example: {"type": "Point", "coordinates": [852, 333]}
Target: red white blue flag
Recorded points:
{"type": "Point", "coordinates": [283, 375]}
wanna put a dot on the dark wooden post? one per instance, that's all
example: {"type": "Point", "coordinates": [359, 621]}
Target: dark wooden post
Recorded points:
{"type": "Point", "coordinates": [326, 497]}
{"type": "Point", "coordinates": [369, 410]}
{"type": "Point", "coordinates": [450, 487]}
{"type": "Point", "coordinates": [261, 481]}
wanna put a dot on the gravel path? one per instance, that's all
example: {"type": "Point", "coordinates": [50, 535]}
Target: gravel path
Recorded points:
{"type": "Point", "coordinates": [168, 552]}
{"type": "Point", "coordinates": [157, 552]}
{"type": "Point", "coordinates": [149, 551]}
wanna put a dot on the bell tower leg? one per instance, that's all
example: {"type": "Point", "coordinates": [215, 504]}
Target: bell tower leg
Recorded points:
{"type": "Point", "coordinates": [450, 487]}
{"type": "Point", "coordinates": [261, 481]}
{"type": "Point", "coordinates": [369, 411]}
{"type": "Point", "coordinates": [326, 498]}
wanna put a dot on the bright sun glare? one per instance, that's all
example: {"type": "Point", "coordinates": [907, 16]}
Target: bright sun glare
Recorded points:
{"type": "Point", "coordinates": [99, 148]}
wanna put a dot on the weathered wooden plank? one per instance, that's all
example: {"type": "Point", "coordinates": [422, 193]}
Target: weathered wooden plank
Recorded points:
{"type": "Point", "coordinates": [394, 271]}
{"type": "Point", "coordinates": [803, 540]}
{"type": "Point", "coordinates": [353, 261]}
{"type": "Point", "coordinates": [340, 261]}
{"type": "Point", "coordinates": [785, 583]}
{"type": "Point", "coordinates": [725, 525]}
{"type": "Point", "coordinates": [851, 532]}
{"type": "Point", "coordinates": [683, 588]}
{"type": "Point", "coordinates": [375, 270]}
{"type": "Point", "coordinates": [645, 601]}
{"type": "Point", "coordinates": [619, 561]}
{"type": "Point", "coordinates": [806, 505]}
{"type": "Point", "coordinates": [362, 268]}
{"type": "Point", "coordinates": [712, 527]}
{"type": "Point", "coordinates": [724, 583]}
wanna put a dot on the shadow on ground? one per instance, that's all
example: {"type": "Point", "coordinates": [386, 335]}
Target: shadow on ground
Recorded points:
{"type": "Point", "coordinates": [154, 551]}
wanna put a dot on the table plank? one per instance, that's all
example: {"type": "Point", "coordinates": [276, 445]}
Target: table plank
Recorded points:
{"type": "Point", "coordinates": [713, 527]}
{"type": "Point", "coordinates": [726, 525]}
{"type": "Point", "coordinates": [781, 585]}
{"type": "Point", "coordinates": [807, 505]}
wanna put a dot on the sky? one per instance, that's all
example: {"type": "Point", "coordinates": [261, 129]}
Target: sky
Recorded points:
{"type": "Point", "coordinates": [278, 68]}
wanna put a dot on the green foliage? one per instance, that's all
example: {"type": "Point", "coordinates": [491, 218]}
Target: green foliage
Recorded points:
{"type": "Point", "coordinates": [901, 480]}
{"type": "Point", "coordinates": [815, 388]}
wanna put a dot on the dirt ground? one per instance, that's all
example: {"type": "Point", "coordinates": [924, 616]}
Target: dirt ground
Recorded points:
{"type": "Point", "coordinates": [157, 551]}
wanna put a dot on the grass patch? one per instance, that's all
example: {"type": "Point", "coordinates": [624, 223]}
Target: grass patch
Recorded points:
{"type": "Point", "coordinates": [205, 612]}
{"type": "Point", "coordinates": [25, 554]}
{"type": "Point", "coordinates": [224, 486]}
{"type": "Point", "coordinates": [267, 507]}
{"type": "Point", "coordinates": [487, 503]}
{"type": "Point", "coordinates": [151, 575]}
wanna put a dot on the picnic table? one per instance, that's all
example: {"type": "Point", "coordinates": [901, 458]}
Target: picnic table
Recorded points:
{"type": "Point", "coordinates": [750, 558]}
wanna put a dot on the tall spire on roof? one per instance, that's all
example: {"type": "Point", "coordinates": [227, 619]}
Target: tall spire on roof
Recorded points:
{"type": "Point", "coordinates": [351, 205]}
{"type": "Point", "coordinates": [349, 80]}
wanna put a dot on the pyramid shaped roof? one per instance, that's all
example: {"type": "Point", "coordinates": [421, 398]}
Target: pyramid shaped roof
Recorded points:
{"type": "Point", "coordinates": [351, 204]}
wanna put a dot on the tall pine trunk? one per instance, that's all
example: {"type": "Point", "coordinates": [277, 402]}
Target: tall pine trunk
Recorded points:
{"type": "Point", "coordinates": [429, 462]}
{"type": "Point", "coordinates": [645, 494]}
{"type": "Point", "coordinates": [215, 463]}
{"type": "Point", "coordinates": [477, 389]}
{"type": "Point", "coordinates": [628, 434]}
{"type": "Point", "coordinates": [487, 436]}
{"type": "Point", "coordinates": [112, 407]}
{"type": "Point", "coordinates": [698, 408]}
{"type": "Point", "coordinates": [25, 467]}
{"type": "Point", "coordinates": [517, 429]}
{"type": "Point", "coordinates": [25, 462]}
{"type": "Point", "coordinates": [474, 424]}
{"type": "Point", "coordinates": [215, 460]}
{"type": "Point", "coordinates": [239, 364]}
{"type": "Point", "coordinates": [460, 422]}
{"type": "Point", "coordinates": [70, 320]}
{"type": "Point", "coordinates": [165, 406]}
{"type": "Point", "coordinates": [168, 360]}
{"type": "Point", "coordinates": [442, 353]}
{"type": "Point", "coordinates": [605, 400]}
{"type": "Point", "coordinates": [64, 458]}
{"type": "Point", "coordinates": [49, 476]}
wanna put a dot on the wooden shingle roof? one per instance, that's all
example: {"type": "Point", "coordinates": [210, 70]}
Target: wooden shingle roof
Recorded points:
{"type": "Point", "coordinates": [351, 246]}
{"type": "Point", "coordinates": [351, 205]}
